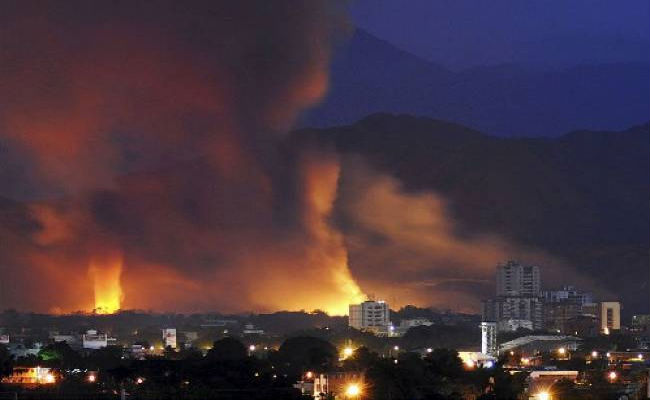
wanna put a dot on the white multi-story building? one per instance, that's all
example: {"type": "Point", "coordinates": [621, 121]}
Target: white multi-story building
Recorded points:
{"type": "Point", "coordinates": [94, 340]}
{"type": "Point", "coordinates": [370, 315]}
{"type": "Point", "coordinates": [515, 279]}
{"type": "Point", "coordinates": [489, 345]}
{"type": "Point", "coordinates": [169, 337]}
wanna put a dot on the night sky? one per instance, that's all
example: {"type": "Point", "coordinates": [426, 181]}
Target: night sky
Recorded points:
{"type": "Point", "coordinates": [147, 160]}
{"type": "Point", "coordinates": [465, 33]}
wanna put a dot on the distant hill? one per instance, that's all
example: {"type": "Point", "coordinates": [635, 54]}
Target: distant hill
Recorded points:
{"type": "Point", "coordinates": [583, 196]}
{"type": "Point", "coordinates": [370, 75]}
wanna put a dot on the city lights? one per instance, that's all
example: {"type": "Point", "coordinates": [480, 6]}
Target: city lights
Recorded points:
{"type": "Point", "coordinates": [594, 354]}
{"type": "Point", "coordinates": [92, 378]}
{"type": "Point", "coordinates": [309, 375]}
{"type": "Point", "coordinates": [561, 351]}
{"type": "Point", "coordinates": [429, 350]}
{"type": "Point", "coordinates": [543, 395]}
{"type": "Point", "coordinates": [251, 347]}
{"type": "Point", "coordinates": [139, 381]}
{"type": "Point", "coordinates": [49, 378]}
{"type": "Point", "coordinates": [347, 352]}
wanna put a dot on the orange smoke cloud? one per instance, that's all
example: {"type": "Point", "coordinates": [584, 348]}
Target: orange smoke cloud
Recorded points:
{"type": "Point", "coordinates": [153, 131]}
{"type": "Point", "coordinates": [405, 247]}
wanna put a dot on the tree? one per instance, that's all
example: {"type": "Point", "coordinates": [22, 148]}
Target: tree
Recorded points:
{"type": "Point", "coordinates": [445, 362]}
{"type": "Point", "coordinates": [304, 353]}
{"type": "Point", "coordinates": [6, 361]}
{"type": "Point", "coordinates": [227, 349]}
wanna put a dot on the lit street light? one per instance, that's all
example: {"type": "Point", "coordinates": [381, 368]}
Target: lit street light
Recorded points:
{"type": "Point", "coordinates": [353, 390]}
{"type": "Point", "coordinates": [612, 376]}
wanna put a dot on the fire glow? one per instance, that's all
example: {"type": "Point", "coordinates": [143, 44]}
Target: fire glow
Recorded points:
{"type": "Point", "coordinates": [106, 283]}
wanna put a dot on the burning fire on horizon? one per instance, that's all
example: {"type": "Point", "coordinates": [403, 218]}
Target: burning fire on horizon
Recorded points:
{"type": "Point", "coordinates": [107, 286]}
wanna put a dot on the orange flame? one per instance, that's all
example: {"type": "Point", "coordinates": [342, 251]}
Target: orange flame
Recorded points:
{"type": "Point", "coordinates": [106, 281]}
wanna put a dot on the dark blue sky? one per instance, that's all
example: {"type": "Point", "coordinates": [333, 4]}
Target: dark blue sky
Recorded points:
{"type": "Point", "coordinates": [465, 33]}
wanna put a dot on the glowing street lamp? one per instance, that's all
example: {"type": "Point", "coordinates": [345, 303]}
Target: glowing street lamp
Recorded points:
{"type": "Point", "coordinates": [347, 352]}
{"type": "Point", "coordinates": [309, 375]}
{"type": "Point", "coordinates": [429, 350]}
{"type": "Point", "coordinates": [594, 354]}
{"type": "Point", "coordinates": [251, 347]}
{"type": "Point", "coordinates": [544, 395]}
{"type": "Point", "coordinates": [561, 351]}
{"type": "Point", "coordinates": [92, 378]}
{"type": "Point", "coordinates": [139, 381]}
{"type": "Point", "coordinates": [353, 390]}
{"type": "Point", "coordinates": [612, 376]}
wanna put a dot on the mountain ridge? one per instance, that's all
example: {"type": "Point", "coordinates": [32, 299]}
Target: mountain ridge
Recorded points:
{"type": "Point", "coordinates": [370, 75]}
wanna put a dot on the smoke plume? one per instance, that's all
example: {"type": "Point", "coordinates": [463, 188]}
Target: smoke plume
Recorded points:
{"type": "Point", "coordinates": [149, 133]}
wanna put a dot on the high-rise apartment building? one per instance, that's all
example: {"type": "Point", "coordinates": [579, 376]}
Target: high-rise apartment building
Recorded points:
{"type": "Point", "coordinates": [518, 303]}
{"type": "Point", "coordinates": [515, 279]}
{"type": "Point", "coordinates": [370, 315]}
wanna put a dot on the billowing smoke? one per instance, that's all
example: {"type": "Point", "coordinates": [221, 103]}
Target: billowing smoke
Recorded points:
{"type": "Point", "coordinates": [405, 246]}
{"type": "Point", "coordinates": [149, 132]}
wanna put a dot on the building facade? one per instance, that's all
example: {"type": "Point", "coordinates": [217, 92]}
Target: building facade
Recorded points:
{"type": "Point", "coordinates": [489, 345]}
{"type": "Point", "coordinates": [371, 316]}
{"type": "Point", "coordinates": [562, 307]}
{"type": "Point", "coordinates": [610, 316]}
{"type": "Point", "coordinates": [515, 279]}
{"type": "Point", "coordinates": [518, 302]}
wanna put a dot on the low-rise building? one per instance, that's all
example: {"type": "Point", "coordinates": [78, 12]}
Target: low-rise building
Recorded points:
{"type": "Point", "coordinates": [533, 344]}
{"type": "Point", "coordinates": [94, 340]}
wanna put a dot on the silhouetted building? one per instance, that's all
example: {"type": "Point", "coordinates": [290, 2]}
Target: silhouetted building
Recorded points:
{"type": "Point", "coordinates": [515, 279]}
{"type": "Point", "coordinates": [563, 305]}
